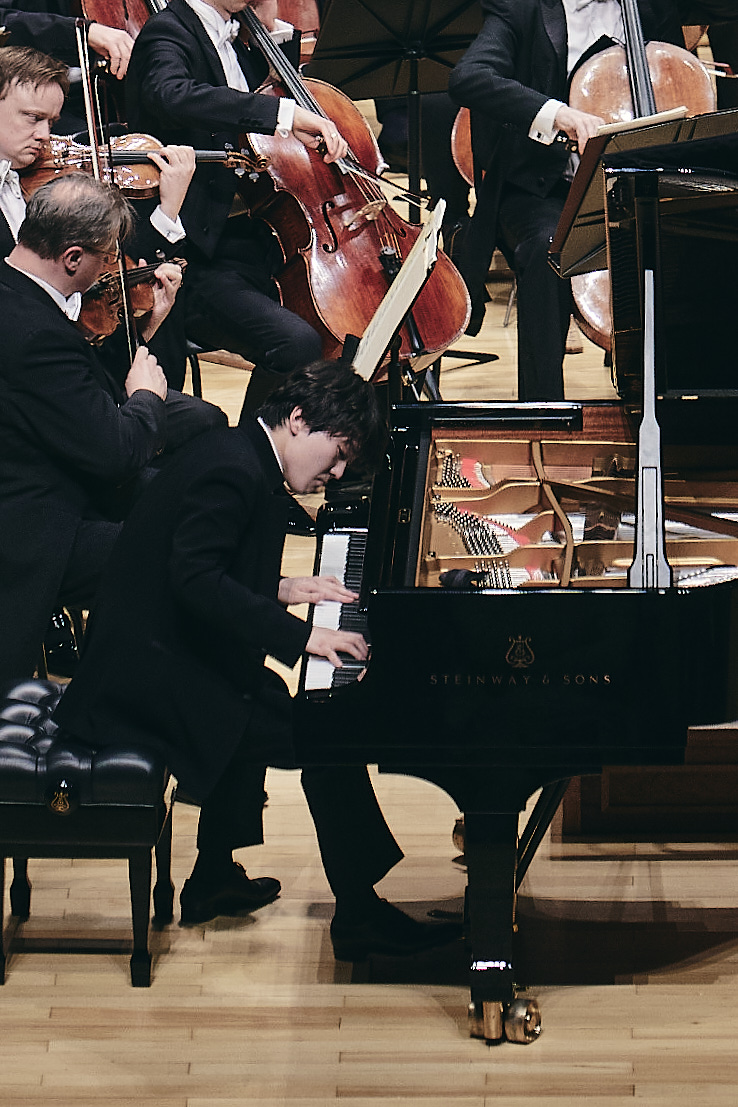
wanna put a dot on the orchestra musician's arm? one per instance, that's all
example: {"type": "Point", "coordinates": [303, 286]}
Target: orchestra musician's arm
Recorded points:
{"type": "Point", "coordinates": [485, 81]}
{"type": "Point", "coordinates": [181, 102]}
{"type": "Point", "coordinates": [55, 34]}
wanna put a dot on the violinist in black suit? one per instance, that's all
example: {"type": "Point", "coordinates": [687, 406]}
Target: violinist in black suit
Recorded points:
{"type": "Point", "coordinates": [515, 79]}
{"type": "Point", "coordinates": [32, 90]}
{"type": "Point", "coordinates": [191, 80]}
{"type": "Point", "coordinates": [191, 605]}
{"type": "Point", "coordinates": [72, 440]}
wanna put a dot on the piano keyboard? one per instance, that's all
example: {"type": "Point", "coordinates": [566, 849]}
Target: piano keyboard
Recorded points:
{"type": "Point", "coordinates": [341, 556]}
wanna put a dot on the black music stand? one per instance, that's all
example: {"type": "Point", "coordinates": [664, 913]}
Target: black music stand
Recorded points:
{"type": "Point", "coordinates": [375, 48]}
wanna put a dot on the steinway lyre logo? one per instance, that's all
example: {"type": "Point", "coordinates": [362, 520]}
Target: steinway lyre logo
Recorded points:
{"type": "Point", "coordinates": [520, 655]}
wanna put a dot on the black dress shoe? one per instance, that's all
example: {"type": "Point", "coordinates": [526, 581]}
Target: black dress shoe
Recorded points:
{"type": "Point", "coordinates": [201, 901]}
{"type": "Point", "coordinates": [389, 932]}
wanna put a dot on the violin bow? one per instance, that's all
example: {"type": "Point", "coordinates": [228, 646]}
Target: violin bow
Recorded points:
{"type": "Point", "coordinates": [93, 122]}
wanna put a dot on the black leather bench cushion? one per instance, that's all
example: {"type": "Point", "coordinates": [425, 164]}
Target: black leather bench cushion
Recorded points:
{"type": "Point", "coordinates": [35, 756]}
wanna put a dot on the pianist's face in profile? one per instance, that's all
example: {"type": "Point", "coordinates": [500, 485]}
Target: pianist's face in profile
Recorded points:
{"type": "Point", "coordinates": [323, 418]}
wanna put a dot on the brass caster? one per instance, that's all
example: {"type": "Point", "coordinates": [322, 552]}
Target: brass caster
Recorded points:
{"type": "Point", "coordinates": [458, 836]}
{"type": "Point", "coordinates": [523, 1021]}
{"type": "Point", "coordinates": [485, 1020]}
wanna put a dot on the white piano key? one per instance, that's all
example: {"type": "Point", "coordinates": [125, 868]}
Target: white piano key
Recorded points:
{"type": "Point", "coordinates": [319, 674]}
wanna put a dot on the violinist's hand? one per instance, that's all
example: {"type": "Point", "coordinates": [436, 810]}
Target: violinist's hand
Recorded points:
{"type": "Point", "coordinates": [176, 166]}
{"type": "Point", "coordinates": [311, 129]}
{"type": "Point", "coordinates": [313, 590]}
{"type": "Point", "coordinates": [145, 372]}
{"type": "Point", "coordinates": [580, 126]}
{"type": "Point", "coordinates": [112, 44]}
{"type": "Point", "coordinates": [168, 282]}
{"type": "Point", "coordinates": [327, 643]}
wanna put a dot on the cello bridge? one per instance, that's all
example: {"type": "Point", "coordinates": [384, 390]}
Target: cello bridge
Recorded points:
{"type": "Point", "coordinates": [367, 214]}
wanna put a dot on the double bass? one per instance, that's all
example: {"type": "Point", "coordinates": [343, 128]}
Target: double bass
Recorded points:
{"type": "Point", "coordinates": [342, 241]}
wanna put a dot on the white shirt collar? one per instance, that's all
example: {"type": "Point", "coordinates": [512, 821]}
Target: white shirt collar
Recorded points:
{"type": "Point", "coordinates": [219, 30]}
{"type": "Point", "coordinates": [10, 178]}
{"type": "Point", "coordinates": [268, 433]}
{"type": "Point", "coordinates": [70, 305]}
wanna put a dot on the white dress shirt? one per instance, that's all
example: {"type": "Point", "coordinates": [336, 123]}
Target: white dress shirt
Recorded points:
{"type": "Point", "coordinates": [586, 22]}
{"type": "Point", "coordinates": [222, 33]}
{"type": "Point", "coordinates": [12, 204]}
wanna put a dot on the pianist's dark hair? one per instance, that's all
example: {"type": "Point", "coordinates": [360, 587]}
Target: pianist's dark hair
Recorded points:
{"type": "Point", "coordinates": [335, 399]}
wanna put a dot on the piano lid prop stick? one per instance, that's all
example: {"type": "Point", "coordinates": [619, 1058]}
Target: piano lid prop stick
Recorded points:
{"type": "Point", "coordinates": [400, 296]}
{"type": "Point", "coordinates": [650, 569]}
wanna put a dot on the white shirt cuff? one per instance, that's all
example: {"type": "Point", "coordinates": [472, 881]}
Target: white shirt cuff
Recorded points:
{"type": "Point", "coordinates": [171, 229]}
{"type": "Point", "coordinates": [285, 116]}
{"type": "Point", "coordinates": [282, 32]}
{"type": "Point", "coordinates": [543, 128]}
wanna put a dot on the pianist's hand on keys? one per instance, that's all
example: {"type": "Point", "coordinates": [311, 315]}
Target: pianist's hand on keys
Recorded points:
{"type": "Point", "coordinates": [313, 590]}
{"type": "Point", "coordinates": [323, 641]}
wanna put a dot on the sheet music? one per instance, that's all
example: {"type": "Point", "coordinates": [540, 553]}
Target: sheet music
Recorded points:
{"type": "Point", "coordinates": [400, 296]}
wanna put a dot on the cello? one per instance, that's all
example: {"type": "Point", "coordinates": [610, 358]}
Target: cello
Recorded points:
{"type": "Point", "coordinates": [619, 84]}
{"type": "Point", "coordinates": [342, 241]}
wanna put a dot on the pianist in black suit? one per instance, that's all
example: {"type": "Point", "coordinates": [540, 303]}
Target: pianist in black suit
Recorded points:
{"type": "Point", "coordinates": [191, 606]}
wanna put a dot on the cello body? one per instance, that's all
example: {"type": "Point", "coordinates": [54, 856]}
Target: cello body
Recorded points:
{"type": "Point", "coordinates": [602, 87]}
{"type": "Point", "coordinates": [333, 227]}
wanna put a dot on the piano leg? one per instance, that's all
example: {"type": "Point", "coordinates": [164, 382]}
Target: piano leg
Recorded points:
{"type": "Point", "coordinates": [491, 856]}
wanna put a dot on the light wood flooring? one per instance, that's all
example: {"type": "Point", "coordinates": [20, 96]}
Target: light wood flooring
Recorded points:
{"type": "Point", "coordinates": [632, 951]}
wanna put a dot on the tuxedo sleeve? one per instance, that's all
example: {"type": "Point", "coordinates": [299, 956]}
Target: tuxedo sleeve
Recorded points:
{"type": "Point", "coordinates": [52, 34]}
{"type": "Point", "coordinates": [66, 408]}
{"type": "Point", "coordinates": [216, 514]}
{"type": "Point", "coordinates": [484, 79]}
{"type": "Point", "coordinates": [180, 101]}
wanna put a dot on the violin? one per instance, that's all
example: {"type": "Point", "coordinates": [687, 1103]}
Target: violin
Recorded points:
{"type": "Point", "coordinates": [341, 239]}
{"type": "Point", "coordinates": [620, 84]}
{"type": "Point", "coordinates": [133, 172]}
{"type": "Point", "coordinates": [103, 302]}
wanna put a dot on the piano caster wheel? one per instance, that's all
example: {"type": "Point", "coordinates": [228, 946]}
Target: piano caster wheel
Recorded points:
{"type": "Point", "coordinates": [485, 1020]}
{"type": "Point", "coordinates": [520, 1021]}
{"type": "Point", "coordinates": [523, 1021]}
{"type": "Point", "coordinates": [459, 837]}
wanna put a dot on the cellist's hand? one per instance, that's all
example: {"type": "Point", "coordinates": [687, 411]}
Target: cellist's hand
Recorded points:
{"type": "Point", "coordinates": [580, 126]}
{"type": "Point", "coordinates": [112, 44]}
{"type": "Point", "coordinates": [176, 166]}
{"type": "Point", "coordinates": [312, 129]}
{"type": "Point", "coordinates": [168, 281]}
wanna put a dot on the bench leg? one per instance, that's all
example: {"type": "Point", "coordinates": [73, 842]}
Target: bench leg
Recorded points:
{"type": "Point", "coordinates": [139, 879]}
{"type": "Point", "coordinates": [2, 920]}
{"type": "Point", "coordinates": [164, 889]}
{"type": "Point", "coordinates": [20, 889]}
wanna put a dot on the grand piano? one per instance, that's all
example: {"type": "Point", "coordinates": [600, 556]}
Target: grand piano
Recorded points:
{"type": "Point", "coordinates": [520, 631]}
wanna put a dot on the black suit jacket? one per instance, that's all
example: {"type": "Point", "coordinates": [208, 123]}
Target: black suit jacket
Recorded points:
{"type": "Point", "coordinates": [188, 610]}
{"type": "Point", "coordinates": [65, 443]}
{"type": "Point", "coordinates": [517, 63]}
{"type": "Point", "coordinates": [177, 90]}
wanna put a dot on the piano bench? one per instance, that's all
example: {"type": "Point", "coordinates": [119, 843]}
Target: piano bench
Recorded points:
{"type": "Point", "coordinates": [60, 798]}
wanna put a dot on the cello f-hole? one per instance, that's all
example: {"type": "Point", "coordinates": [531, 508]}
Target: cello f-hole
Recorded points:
{"type": "Point", "coordinates": [329, 247]}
